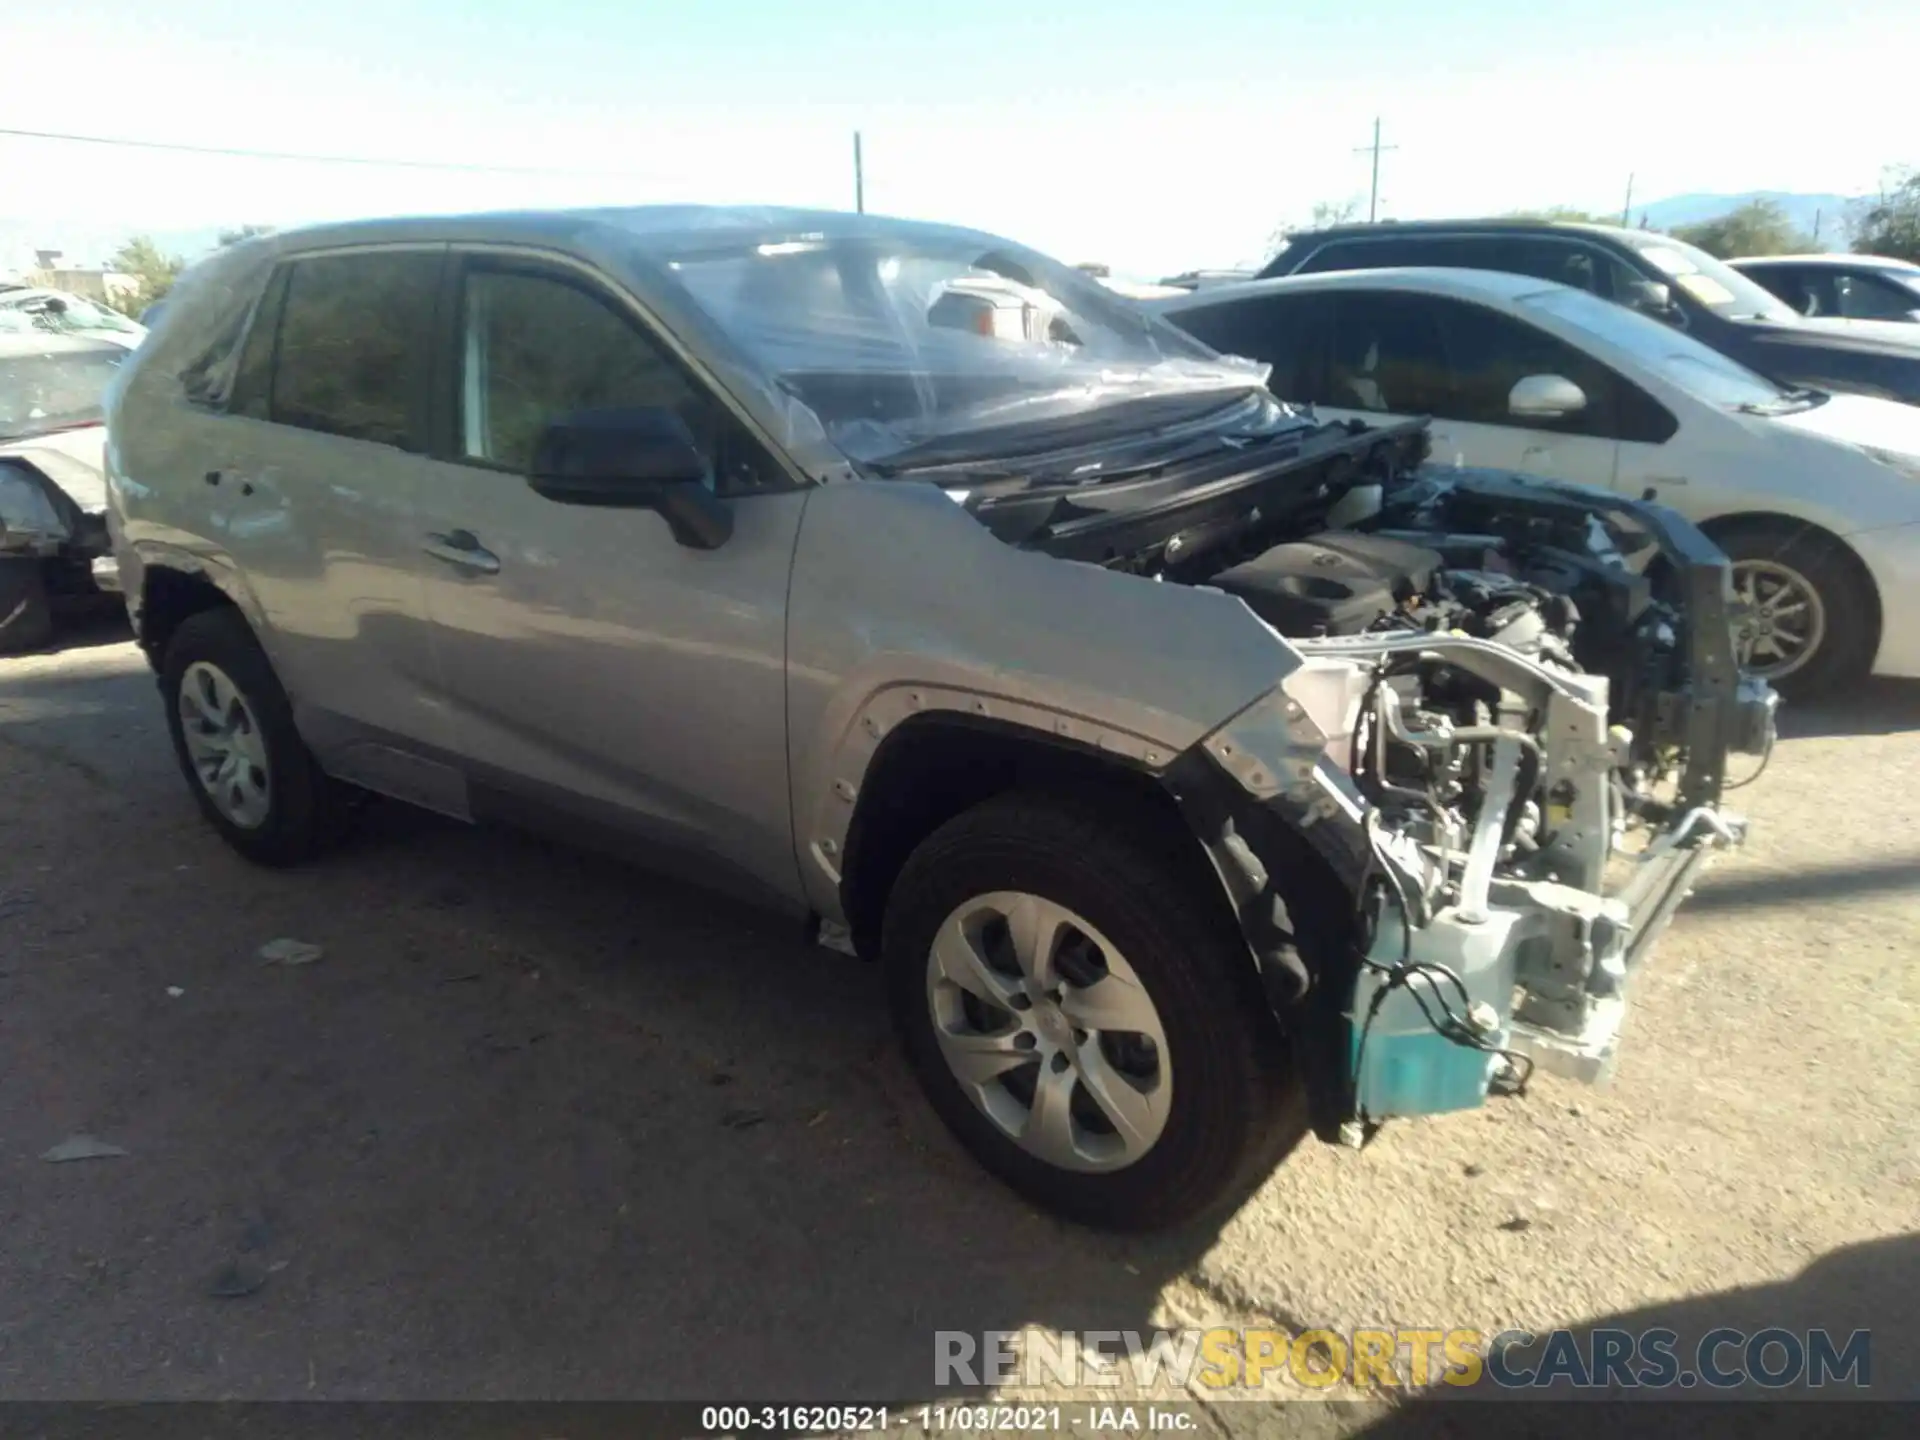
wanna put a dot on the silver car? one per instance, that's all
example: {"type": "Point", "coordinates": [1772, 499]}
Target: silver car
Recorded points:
{"type": "Point", "coordinates": [1168, 749]}
{"type": "Point", "coordinates": [53, 492]}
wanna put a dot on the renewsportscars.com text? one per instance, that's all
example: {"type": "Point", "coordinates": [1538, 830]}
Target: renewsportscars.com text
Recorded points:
{"type": "Point", "coordinates": [1228, 1359]}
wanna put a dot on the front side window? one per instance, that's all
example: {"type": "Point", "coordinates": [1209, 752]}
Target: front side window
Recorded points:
{"type": "Point", "coordinates": [1492, 353]}
{"type": "Point", "coordinates": [537, 348]}
{"type": "Point", "coordinates": [354, 345]}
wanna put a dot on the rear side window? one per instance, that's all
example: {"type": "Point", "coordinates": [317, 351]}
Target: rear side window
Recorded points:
{"type": "Point", "coordinates": [354, 345]}
{"type": "Point", "coordinates": [1278, 330]}
{"type": "Point", "coordinates": [252, 393]}
{"type": "Point", "coordinates": [1454, 251]}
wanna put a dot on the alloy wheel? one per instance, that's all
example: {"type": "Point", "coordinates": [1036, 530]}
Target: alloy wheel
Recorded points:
{"type": "Point", "coordinates": [1782, 621]}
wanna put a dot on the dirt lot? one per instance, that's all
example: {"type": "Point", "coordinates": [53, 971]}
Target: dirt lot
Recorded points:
{"type": "Point", "coordinates": [537, 1125]}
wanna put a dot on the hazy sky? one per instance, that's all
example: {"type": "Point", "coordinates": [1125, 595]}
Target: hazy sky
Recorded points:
{"type": "Point", "coordinates": [1153, 136]}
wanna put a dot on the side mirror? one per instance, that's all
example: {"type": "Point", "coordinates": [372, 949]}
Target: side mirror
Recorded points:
{"type": "Point", "coordinates": [1545, 397]}
{"type": "Point", "coordinates": [1649, 297]}
{"type": "Point", "coordinates": [632, 459]}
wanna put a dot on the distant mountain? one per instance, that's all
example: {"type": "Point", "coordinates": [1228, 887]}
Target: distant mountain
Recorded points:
{"type": "Point", "coordinates": [1824, 215]}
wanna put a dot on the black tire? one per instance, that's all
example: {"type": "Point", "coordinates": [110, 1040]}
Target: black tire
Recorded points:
{"type": "Point", "coordinates": [306, 810]}
{"type": "Point", "coordinates": [1227, 1124]}
{"type": "Point", "coordinates": [26, 614]}
{"type": "Point", "coordinates": [1846, 593]}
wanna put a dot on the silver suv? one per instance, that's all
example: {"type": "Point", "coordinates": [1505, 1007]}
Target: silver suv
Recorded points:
{"type": "Point", "coordinates": [1168, 749]}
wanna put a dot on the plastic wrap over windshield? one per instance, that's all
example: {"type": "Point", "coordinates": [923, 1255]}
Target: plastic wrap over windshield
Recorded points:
{"type": "Point", "coordinates": [902, 341]}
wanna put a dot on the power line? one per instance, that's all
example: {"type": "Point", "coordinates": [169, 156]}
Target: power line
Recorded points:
{"type": "Point", "coordinates": [369, 160]}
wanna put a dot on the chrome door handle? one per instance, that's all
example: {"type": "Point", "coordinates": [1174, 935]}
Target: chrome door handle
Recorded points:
{"type": "Point", "coordinates": [463, 548]}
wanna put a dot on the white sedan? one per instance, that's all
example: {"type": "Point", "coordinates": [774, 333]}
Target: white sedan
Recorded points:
{"type": "Point", "coordinates": [1815, 497]}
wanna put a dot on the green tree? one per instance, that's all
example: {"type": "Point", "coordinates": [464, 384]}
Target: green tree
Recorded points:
{"type": "Point", "coordinates": [1891, 225]}
{"type": "Point", "coordinates": [1759, 227]}
{"type": "Point", "coordinates": [154, 271]}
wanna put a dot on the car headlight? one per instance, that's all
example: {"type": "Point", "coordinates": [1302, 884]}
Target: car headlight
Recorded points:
{"type": "Point", "coordinates": [25, 509]}
{"type": "Point", "coordinates": [1907, 465]}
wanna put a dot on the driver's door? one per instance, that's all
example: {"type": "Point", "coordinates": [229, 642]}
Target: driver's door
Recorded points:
{"type": "Point", "coordinates": [1394, 354]}
{"type": "Point", "coordinates": [590, 661]}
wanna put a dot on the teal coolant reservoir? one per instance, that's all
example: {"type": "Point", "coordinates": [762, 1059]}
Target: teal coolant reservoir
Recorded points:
{"type": "Point", "coordinates": [1402, 1064]}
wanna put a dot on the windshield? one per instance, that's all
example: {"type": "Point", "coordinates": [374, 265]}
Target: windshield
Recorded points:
{"type": "Point", "coordinates": [1675, 357]}
{"type": "Point", "coordinates": [67, 314]}
{"type": "Point", "coordinates": [42, 392]}
{"type": "Point", "coordinates": [1713, 283]}
{"type": "Point", "coordinates": [895, 341]}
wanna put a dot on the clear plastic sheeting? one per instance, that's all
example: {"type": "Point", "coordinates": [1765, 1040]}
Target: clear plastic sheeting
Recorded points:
{"type": "Point", "coordinates": [906, 339]}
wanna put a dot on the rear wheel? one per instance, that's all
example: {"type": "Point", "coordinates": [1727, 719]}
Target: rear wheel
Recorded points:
{"type": "Point", "coordinates": [1082, 1016]}
{"type": "Point", "coordinates": [234, 736]}
{"type": "Point", "coordinates": [1808, 618]}
{"type": "Point", "coordinates": [26, 615]}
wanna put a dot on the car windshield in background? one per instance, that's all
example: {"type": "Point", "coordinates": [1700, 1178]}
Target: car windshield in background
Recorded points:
{"type": "Point", "coordinates": [907, 344]}
{"type": "Point", "coordinates": [1677, 358]}
{"type": "Point", "coordinates": [1713, 283]}
{"type": "Point", "coordinates": [42, 392]}
{"type": "Point", "coordinates": [63, 314]}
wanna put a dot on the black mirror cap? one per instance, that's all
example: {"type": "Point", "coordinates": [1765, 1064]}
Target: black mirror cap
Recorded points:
{"type": "Point", "coordinates": [640, 459]}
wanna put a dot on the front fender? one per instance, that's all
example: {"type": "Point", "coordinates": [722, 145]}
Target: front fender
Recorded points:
{"type": "Point", "coordinates": [902, 604]}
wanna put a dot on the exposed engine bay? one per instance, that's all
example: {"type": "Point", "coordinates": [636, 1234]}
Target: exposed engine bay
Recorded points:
{"type": "Point", "coordinates": [1523, 692]}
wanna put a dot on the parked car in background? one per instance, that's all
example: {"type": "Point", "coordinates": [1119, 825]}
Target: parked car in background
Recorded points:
{"type": "Point", "coordinates": [53, 497]}
{"type": "Point", "coordinates": [60, 313]}
{"type": "Point", "coordinates": [1206, 279]}
{"type": "Point", "coordinates": [1644, 270]}
{"type": "Point", "coordinates": [1816, 497]}
{"type": "Point", "coordinates": [1025, 658]}
{"type": "Point", "coordinates": [1845, 287]}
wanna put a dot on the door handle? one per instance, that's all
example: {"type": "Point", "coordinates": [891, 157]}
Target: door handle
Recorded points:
{"type": "Point", "coordinates": [463, 548]}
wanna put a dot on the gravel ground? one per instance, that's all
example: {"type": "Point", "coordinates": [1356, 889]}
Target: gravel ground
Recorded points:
{"type": "Point", "coordinates": [536, 1125]}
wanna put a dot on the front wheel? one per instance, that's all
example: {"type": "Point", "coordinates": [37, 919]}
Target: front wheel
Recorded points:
{"type": "Point", "coordinates": [1082, 1015]}
{"type": "Point", "coordinates": [1807, 620]}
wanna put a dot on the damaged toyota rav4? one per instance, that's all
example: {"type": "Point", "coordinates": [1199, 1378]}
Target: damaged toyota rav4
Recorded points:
{"type": "Point", "coordinates": [1174, 754]}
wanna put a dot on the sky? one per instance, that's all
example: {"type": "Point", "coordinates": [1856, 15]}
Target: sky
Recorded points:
{"type": "Point", "coordinates": [1152, 135]}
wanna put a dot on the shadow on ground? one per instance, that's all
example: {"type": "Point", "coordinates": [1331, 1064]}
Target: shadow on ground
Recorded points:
{"type": "Point", "coordinates": [536, 1125]}
{"type": "Point", "coordinates": [1872, 1287]}
{"type": "Point", "coordinates": [1876, 707]}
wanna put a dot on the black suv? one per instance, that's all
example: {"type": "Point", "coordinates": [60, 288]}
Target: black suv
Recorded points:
{"type": "Point", "coordinates": [1643, 269]}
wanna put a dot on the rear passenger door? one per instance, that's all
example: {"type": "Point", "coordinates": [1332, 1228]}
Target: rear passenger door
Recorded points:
{"type": "Point", "coordinates": [313, 479]}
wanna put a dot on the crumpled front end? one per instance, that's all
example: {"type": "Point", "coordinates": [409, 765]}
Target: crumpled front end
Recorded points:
{"type": "Point", "coordinates": [1511, 848]}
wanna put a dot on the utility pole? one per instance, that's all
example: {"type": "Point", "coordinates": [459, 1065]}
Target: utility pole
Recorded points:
{"type": "Point", "coordinates": [1626, 210]}
{"type": "Point", "coordinates": [1816, 229]}
{"type": "Point", "coordinates": [1373, 198]}
{"type": "Point", "coordinates": [859, 178]}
